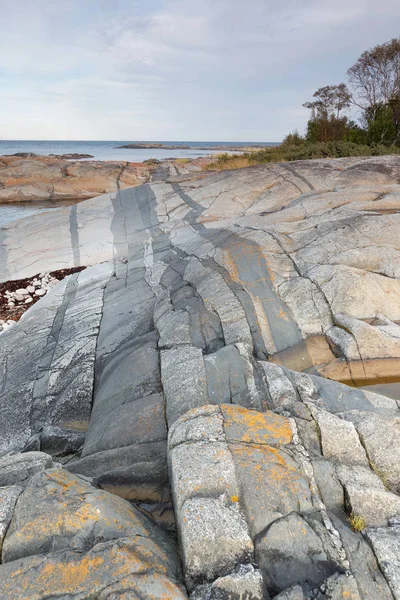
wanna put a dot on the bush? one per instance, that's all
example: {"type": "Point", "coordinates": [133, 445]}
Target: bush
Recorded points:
{"type": "Point", "coordinates": [305, 151]}
{"type": "Point", "coordinates": [357, 522]}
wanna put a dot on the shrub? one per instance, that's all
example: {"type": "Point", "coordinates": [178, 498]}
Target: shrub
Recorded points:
{"type": "Point", "coordinates": [304, 151]}
{"type": "Point", "coordinates": [357, 522]}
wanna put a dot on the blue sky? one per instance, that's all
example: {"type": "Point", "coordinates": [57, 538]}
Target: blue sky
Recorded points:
{"type": "Point", "coordinates": [223, 70]}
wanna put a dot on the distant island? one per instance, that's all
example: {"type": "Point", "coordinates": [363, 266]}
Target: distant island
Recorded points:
{"type": "Point", "coordinates": [160, 146]}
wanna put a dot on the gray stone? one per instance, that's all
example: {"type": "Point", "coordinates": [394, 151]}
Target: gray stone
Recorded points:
{"type": "Point", "coordinates": [366, 495]}
{"type": "Point", "coordinates": [271, 484]}
{"type": "Point", "coordinates": [245, 583]}
{"type": "Point", "coordinates": [198, 425]}
{"type": "Point", "coordinates": [363, 565]}
{"type": "Point", "coordinates": [136, 472]}
{"type": "Point", "coordinates": [381, 437]}
{"type": "Point", "coordinates": [202, 469]}
{"type": "Point", "coordinates": [214, 539]}
{"type": "Point", "coordinates": [128, 567]}
{"type": "Point", "coordinates": [226, 378]}
{"type": "Point", "coordinates": [329, 485]}
{"type": "Point", "coordinates": [339, 440]}
{"type": "Point", "coordinates": [58, 511]}
{"type": "Point", "coordinates": [184, 380]}
{"type": "Point", "coordinates": [290, 552]}
{"type": "Point", "coordinates": [294, 593]}
{"type": "Point", "coordinates": [339, 587]}
{"type": "Point", "coordinates": [8, 499]}
{"type": "Point", "coordinates": [385, 542]}
{"type": "Point", "coordinates": [16, 468]}
{"type": "Point", "coordinates": [281, 390]}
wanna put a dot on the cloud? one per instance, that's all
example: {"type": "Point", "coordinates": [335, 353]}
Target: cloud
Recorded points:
{"type": "Point", "coordinates": [216, 69]}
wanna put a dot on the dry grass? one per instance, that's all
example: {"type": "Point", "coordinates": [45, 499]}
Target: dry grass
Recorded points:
{"type": "Point", "coordinates": [303, 151]}
{"type": "Point", "coordinates": [235, 162]}
{"type": "Point", "coordinates": [357, 522]}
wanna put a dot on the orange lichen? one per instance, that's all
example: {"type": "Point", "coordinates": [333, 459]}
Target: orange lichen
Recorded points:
{"type": "Point", "coordinates": [251, 426]}
{"type": "Point", "coordinates": [268, 465]}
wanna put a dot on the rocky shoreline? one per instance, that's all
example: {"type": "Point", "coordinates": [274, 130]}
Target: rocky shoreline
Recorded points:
{"type": "Point", "coordinates": [18, 295]}
{"type": "Point", "coordinates": [170, 427]}
{"type": "Point", "coordinates": [27, 177]}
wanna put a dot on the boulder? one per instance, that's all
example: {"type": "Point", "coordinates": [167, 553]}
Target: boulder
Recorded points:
{"type": "Point", "coordinates": [68, 538]}
{"type": "Point", "coordinates": [17, 468]}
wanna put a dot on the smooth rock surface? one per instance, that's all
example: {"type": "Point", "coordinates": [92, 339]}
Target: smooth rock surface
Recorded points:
{"type": "Point", "coordinates": [189, 361]}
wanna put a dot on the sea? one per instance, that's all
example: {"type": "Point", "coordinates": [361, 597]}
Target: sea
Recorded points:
{"type": "Point", "coordinates": [104, 150]}
{"type": "Point", "coordinates": [108, 150]}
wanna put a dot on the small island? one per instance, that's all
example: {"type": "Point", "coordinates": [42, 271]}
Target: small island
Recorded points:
{"type": "Point", "coordinates": [152, 146]}
{"type": "Point", "coordinates": [219, 148]}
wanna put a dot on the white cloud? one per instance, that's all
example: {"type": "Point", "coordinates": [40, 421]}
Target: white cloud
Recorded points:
{"type": "Point", "coordinates": [217, 69]}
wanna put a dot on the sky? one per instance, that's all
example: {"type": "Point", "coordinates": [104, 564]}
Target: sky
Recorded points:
{"type": "Point", "coordinates": [205, 70]}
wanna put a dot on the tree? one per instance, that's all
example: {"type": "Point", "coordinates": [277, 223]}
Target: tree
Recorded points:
{"type": "Point", "coordinates": [326, 122]}
{"type": "Point", "coordinates": [383, 123]}
{"type": "Point", "coordinates": [329, 99]}
{"type": "Point", "coordinates": [375, 77]}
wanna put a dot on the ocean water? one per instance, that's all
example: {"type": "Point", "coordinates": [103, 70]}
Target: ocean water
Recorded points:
{"type": "Point", "coordinates": [104, 150]}
{"type": "Point", "coordinates": [19, 210]}
{"type": "Point", "coordinates": [109, 151]}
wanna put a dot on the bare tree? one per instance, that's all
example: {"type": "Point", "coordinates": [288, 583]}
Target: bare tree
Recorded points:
{"type": "Point", "coordinates": [375, 77]}
{"type": "Point", "coordinates": [342, 98]}
{"type": "Point", "coordinates": [329, 99]}
{"type": "Point", "coordinates": [325, 111]}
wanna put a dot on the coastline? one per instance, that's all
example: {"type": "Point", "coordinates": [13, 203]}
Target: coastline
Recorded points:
{"type": "Point", "coordinates": [33, 177]}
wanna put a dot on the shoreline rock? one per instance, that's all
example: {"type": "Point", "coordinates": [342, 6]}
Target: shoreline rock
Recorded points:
{"type": "Point", "coordinates": [26, 176]}
{"type": "Point", "coordinates": [140, 400]}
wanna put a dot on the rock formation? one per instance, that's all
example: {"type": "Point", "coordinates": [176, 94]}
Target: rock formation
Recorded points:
{"type": "Point", "coordinates": [35, 177]}
{"type": "Point", "coordinates": [27, 176]}
{"type": "Point", "coordinates": [184, 383]}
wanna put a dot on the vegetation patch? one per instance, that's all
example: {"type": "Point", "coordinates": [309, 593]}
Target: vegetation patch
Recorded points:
{"type": "Point", "coordinates": [373, 94]}
{"type": "Point", "coordinates": [357, 522]}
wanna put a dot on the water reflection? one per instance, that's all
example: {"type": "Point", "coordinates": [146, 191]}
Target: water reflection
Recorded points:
{"type": "Point", "coordinates": [18, 210]}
